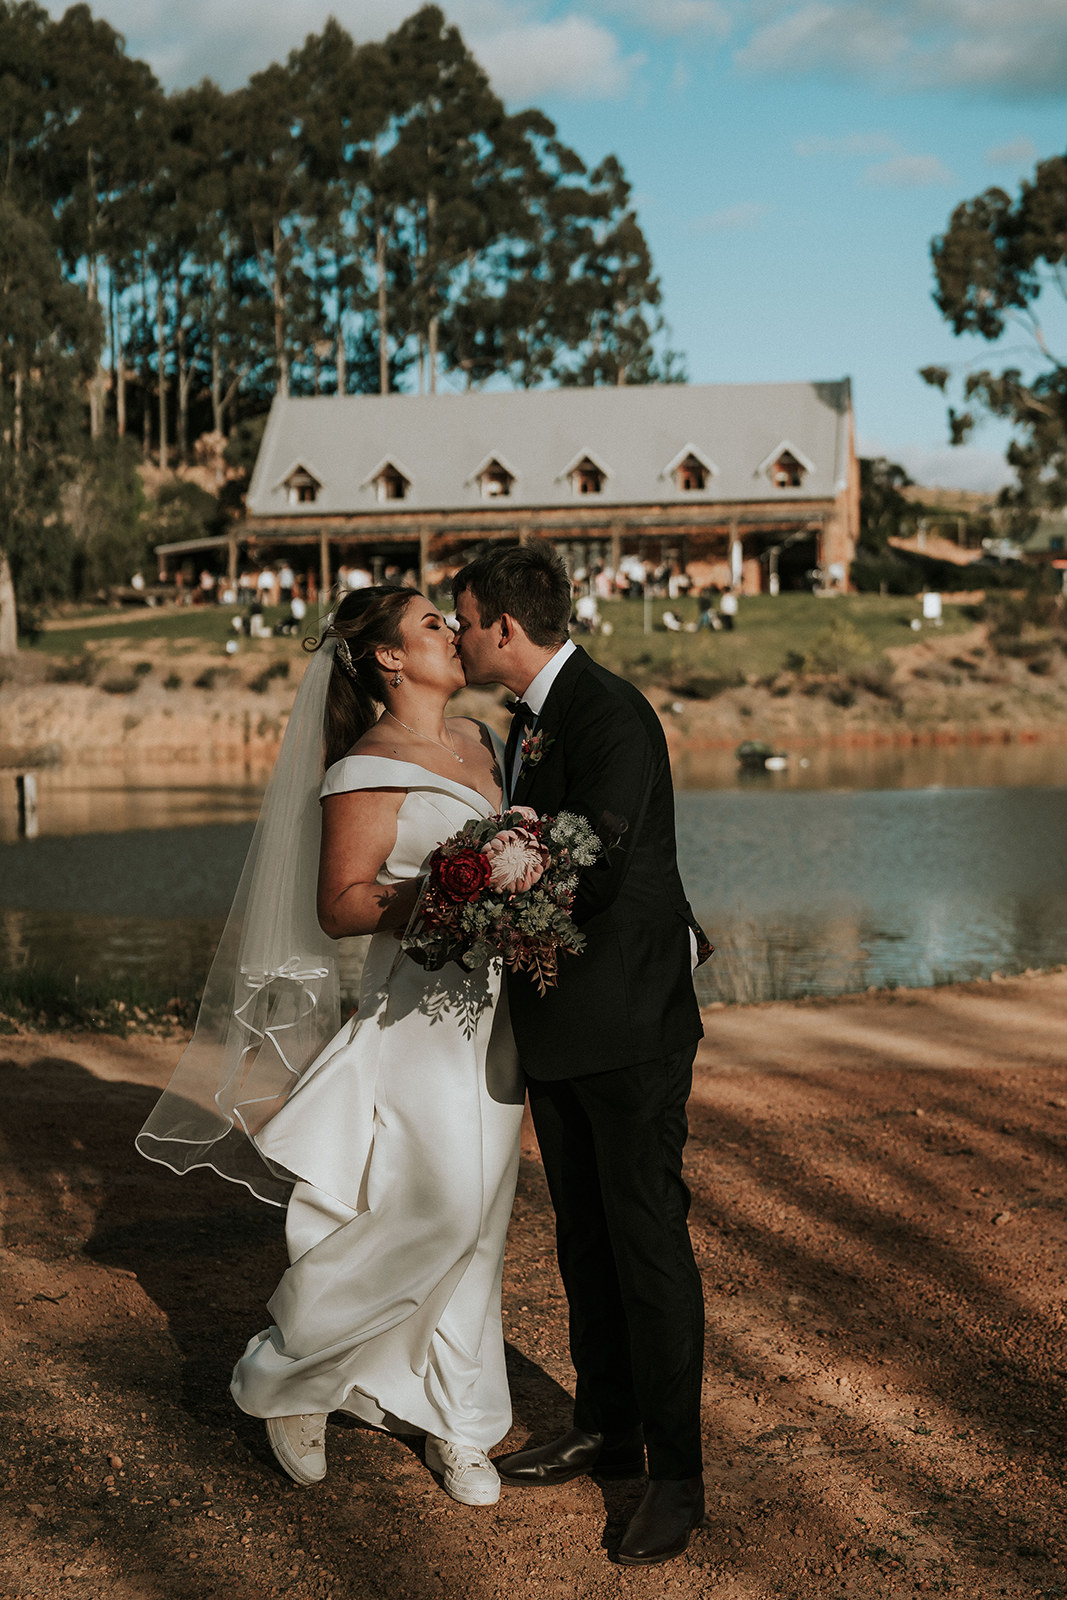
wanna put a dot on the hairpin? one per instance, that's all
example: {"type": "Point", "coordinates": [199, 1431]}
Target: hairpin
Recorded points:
{"type": "Point", "coordinates": [344, 655]}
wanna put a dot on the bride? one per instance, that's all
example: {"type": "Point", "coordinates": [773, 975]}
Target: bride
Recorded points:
{"type": "Point", "coordinates": [394, 1138]}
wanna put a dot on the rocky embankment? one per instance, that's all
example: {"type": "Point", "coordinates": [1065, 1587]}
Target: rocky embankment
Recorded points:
{"type": "Point", "coordinates": [137, 708]}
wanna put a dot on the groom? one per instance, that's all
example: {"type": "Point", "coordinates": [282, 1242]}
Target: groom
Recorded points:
{"type": "Point", "coordinates": [608, 1053]}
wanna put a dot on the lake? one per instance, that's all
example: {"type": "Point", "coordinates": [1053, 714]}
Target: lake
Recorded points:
{"type": "Point", "coordinates": [862, 868]}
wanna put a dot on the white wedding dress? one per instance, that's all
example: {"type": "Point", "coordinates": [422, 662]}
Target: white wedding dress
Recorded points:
{"type": "Point", "coordinates": [404, 1133]}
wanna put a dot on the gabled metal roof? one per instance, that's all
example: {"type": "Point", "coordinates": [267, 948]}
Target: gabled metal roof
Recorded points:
{"type": "Point", "coordinates": [633, 433]}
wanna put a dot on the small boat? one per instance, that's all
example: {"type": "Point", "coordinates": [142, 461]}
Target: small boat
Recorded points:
{"type": "Point", "coordinates": [755, 756]}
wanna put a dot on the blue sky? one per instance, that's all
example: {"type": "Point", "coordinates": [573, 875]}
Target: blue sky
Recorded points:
{"type": "Point", "coordinates": [790, 159]}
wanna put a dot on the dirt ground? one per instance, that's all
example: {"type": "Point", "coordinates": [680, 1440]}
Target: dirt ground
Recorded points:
{"type": "Point", "coordinates": [880, 1216]}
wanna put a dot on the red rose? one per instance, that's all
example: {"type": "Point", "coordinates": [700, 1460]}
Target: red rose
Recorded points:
{"type": "Point", "coordinates": [462, 876]}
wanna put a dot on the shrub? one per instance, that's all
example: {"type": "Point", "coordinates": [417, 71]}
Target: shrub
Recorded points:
{"type": "Point", "coordinates": [121, 683]}
{"type": "Point", "coordinates": [78, 669]}
{"type": "Point", "coordinates": [142, 669]}
{"type": "Point", "coordinates": [876, 677]}
{"type": "Point", "coordinates": [206, 680]}
{"type": "Point", "coordinates": [703, 686]}
{"type": "Point", "coordinates": [172, 681]}
{"type": "Point", "coordinates": [839, 648]}
{"type": "Point", "coordinates": [261, 683]}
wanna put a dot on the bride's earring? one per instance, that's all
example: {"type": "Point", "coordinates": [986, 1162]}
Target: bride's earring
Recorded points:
{"type": "Point", "coordinates": [396, 680]}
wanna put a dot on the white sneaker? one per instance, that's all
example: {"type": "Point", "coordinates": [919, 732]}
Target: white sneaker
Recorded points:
{"type": "Point", "coordinates": [469, 1475]}
{"type": "Point", "coordinates": [299, 1445]}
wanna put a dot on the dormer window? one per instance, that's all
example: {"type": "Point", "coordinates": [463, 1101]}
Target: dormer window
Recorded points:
{"type": "Point", "coordinates": [691, 475]}
{"type": "Point", "coordinates": [301, 487]}
{"type": "Point", "coordinates": [495, 480]}
{"type": "Point", "coordinates": [390, 483]}
{"type": "Point", "coordinates": [586, 477]}
{"type": "Point", "coordinates": [786, 466]}
{"type": "Point", "coordinates": [787, 472]}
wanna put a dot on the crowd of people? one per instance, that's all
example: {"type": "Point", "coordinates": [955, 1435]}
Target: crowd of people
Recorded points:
{"type": "Point", "coordinates": [274, 585]}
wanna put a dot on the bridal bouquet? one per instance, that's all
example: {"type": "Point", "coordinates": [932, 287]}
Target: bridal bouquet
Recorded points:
{"type": "Point", "coordinates": [504, 886]}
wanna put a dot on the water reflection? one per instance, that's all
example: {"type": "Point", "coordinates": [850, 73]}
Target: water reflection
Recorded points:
{"type": "Point", "coordinates": [804, 889]}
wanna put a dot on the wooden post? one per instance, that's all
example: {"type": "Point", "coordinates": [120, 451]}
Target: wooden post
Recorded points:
{"type": "Point", "coordinates": [231, 559]}
{"type": "Point", "coordinates": [324, 567]}
{"type": "Point", "coordinates": [26, 786]}
{"type": "Point", "coordinates": [424, 557]}
{"type": "Point", "coordinates": [737, 555]}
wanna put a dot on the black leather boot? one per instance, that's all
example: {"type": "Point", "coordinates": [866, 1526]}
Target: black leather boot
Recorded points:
{"type": "Point", "coordinates": [569, 1457]}
{"type": "Point", "coordinates": [661, 1525]}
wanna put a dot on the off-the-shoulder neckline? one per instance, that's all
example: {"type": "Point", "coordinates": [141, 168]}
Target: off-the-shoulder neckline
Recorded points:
{"type": "Point", "coordinates": [415, 766]}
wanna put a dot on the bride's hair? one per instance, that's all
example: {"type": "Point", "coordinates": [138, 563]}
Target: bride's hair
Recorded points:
{"type": "Point", "coordinates": [365, 621]}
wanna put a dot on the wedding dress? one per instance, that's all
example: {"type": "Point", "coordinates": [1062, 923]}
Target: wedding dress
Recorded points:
{"type": "Point", "coordinates": [404, 1135]}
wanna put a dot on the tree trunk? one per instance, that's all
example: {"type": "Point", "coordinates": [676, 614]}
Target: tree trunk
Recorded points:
{"type": "Point", "coordinates": [383, 319]}
{"type": "Point", "coordinates": [9, 618]}
{"type": "Point", "coordinates": [281, 357]}
{"type": "Point", "coordinates": [431, 322]}
{"type": "Point", "coordinates": [161, 376]}
{"type": "Point", "coordinates": [17, 419]}
{"type": "Point", "coordinates": [340, 353]}
{"type": "Point", "coordinates": [119, 358]}
{"type": "Point", "coordinates": [185, 383]}
{"type": "Point", "coordinates": [146, 370]}
{"type": "Point", "coordinates": [98, 381]}
{"type": "Point", "coordinates": [216, 384]}
{"type": "Point", "coordinates": [431, 358]}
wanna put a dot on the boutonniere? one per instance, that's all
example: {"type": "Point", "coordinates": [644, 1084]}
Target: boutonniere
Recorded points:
{"type": "Point", "coordinates": [535, 747]}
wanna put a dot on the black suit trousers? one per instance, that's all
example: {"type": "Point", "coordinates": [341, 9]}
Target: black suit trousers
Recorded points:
{"type": "Point", "coordinates": [612, 1147]}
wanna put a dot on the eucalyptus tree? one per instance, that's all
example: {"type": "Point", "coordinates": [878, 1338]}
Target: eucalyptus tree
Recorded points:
{"type": "Point", "coordinates": [612, 295]}
{"type": "Point", "coordinates": [1001, 263]}
{"type": "Point", "coordinates": [270, 203]}
{"type": "Point", "coordinates": [444, 176]}
{"type": "Point", "coordinates": [24, 106]}
{"type": "Point", "coordinates": [50, 336]}
{"type": "Point", "coordinates": [99, 101]}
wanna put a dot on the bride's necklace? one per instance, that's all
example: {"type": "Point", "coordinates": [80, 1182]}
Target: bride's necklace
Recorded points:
{"type": "Point", "coordinates": [428, 737]}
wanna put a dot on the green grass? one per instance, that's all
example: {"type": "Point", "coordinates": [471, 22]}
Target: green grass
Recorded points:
{"type": "Point", "coordinates": [41, 999]}
{"type": "Point", "coordinates": [192, 626]}
{"type": "Point", "coordinates": [770, 628]}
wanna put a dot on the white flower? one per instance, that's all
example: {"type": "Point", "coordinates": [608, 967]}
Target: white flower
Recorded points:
{"type": "Point", "coordinates": [518, 860]}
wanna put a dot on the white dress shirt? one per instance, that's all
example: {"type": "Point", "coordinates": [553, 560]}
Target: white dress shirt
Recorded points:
{"type": "Point", "coordinates": [535, 695]}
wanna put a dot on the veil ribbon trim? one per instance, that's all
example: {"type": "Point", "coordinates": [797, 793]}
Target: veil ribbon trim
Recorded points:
{"type": "Point", "coordinates": [271, 1000]}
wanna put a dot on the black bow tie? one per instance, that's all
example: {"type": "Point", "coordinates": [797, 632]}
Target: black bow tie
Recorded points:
{"type": "Point", "coordinates": [519, 708]}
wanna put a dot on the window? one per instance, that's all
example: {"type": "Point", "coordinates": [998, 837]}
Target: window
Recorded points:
{"type": "Point", "coordinates": [586, 477]}
{"type": "Point", "coordinates": [786, 471]}
{"type": "Point", "coordinates": [391, 484]}
{"type": "Point", "coordinates": [301, 487]}
{"type": "Point", "coordinates": [495, 480]}
{"type": "Point", "coordinates": [691, 474]}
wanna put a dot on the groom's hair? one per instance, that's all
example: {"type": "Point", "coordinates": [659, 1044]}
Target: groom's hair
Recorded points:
{"type": "Point", "coordinates": [528, 581]}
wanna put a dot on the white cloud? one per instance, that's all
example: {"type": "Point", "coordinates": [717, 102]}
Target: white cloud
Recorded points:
{"type": "Point", "coordinates": [1016, 48]}
{"type": "Point", "coordinates": [848, 144]}
{"type": "Point", "coordinates": [731, 219]}
{"type": "Point", "coordinates": [947, 468]}
{"type": "Point", "coordinates": [527, 57]}
{"type": "Point", "coordinates": [675, 16]}
{"type": "Point", "coordinates": [837, 36]}
{"type": "Point", "coordinates": [900, 169]}
{"type": "Point", "coordinates": [1018, 153]}
{"type": "Point", "coordinates": [575, 57]}
{"type": "Point", "coordinates": [908, 172]}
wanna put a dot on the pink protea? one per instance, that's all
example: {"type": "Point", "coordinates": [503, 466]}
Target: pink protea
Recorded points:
{"type": "Point", "coordinates": [517, 860]}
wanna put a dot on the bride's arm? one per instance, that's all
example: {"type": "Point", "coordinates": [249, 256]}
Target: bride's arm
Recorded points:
{"type": "Point", "coordinates": [358, 832]}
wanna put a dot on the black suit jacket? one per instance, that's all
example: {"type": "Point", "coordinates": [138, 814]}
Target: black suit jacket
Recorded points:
{"type": "Point", "coordinates": [628, 996]}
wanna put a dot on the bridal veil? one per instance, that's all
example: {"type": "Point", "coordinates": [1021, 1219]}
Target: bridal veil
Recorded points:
{"type": "Point", "coordinates": [271, 1000]}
